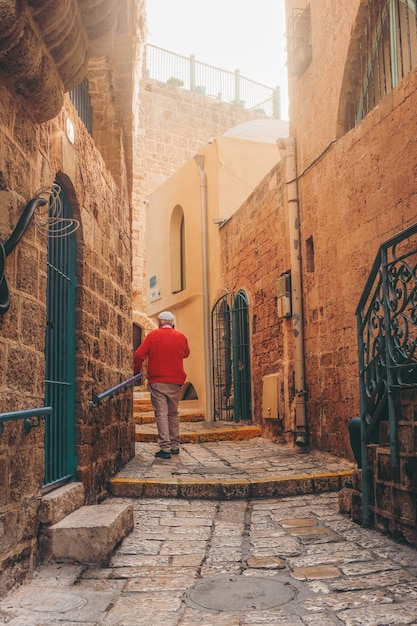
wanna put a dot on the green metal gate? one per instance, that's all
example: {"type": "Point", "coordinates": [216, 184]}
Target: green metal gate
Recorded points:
{"type": "Point", "coordinates": [60, 459]}
{"type": "Point", "coordinates": [231, 358]}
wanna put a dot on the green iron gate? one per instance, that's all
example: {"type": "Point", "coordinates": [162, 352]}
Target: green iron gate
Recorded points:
{"type": "Point", "coordinates": [60, 459]}
{"type": "Point", "coordinates": [231, 358]}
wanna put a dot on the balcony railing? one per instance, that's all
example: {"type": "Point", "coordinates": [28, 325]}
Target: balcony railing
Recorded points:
{"type": "Point", "coordinates": [211, 81]}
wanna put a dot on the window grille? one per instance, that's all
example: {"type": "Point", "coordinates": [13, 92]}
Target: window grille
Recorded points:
{"type": "Point", "coordinates": [299, 47]}
{"type": "Point", "coordinates": [387, 52]}
{"type": "Point", "coordinates": [80, 98]}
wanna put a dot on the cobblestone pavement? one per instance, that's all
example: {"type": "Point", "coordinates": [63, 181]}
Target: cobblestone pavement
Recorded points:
{"type": "Point", "coordinates": [254, 468]}
{"type": "Point", "coordinates": [293, 561]}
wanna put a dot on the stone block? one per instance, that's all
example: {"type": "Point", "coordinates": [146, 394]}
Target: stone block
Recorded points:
{"type": "Point", "coordinates": [90, 534]}
{"type": "Point", "coordinates": [345, 497]}
{"type": "Point", "coordinates": [356, 512]}
{"type": "Point", "coordinates": [61, 502]}
{"type": "Point", "coordinates": [406, 437]}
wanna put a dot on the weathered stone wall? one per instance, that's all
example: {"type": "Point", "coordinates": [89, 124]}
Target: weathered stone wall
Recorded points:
{"type": "Point", "coordinates": [31, 157]}
{"type": "Point", "coordinates": [355, 198]}
{"type": "Point", "coordinates": [355, 192]}
{"type": "Point", "coordinates": [173, 124]}
{"type": "Point", "coordinates": [253, 258]}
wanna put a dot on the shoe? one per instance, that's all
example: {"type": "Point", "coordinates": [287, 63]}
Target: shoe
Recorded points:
{"type": "Point", "coordinates": [175, 451]}
{"type": "Point", "coordinates": [163, 454]}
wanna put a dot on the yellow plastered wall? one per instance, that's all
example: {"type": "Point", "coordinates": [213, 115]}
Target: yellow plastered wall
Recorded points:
{"type": "Point", "coordinates": [233, 167]}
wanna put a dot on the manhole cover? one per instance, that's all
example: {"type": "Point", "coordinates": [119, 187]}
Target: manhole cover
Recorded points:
{"type": "Point", "coordinates": [46, 602]}
{"type": "Point", "coordinates": [238, 593]}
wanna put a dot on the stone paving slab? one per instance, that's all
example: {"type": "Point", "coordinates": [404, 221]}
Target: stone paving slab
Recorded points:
{"type": "Point", "coordinates": [292, 561]}
{"type": "Point", "coordinates": [254, 468]}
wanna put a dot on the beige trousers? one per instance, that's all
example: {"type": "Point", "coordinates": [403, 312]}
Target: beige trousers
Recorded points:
{"type": "Point", "coordinates": [165, 398]}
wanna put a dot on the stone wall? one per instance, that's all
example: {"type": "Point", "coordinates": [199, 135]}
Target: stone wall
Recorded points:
{"type": "Point", "coordinates": [32, 156]}
{"type": "Point", "coordinates": [392, 505]}
{"type": "Point", "coordinates": [353, 199]}
{"type": "Point", "coordinates": [356, 191]}
{"type": "Point", "coordinates": [253, 259]}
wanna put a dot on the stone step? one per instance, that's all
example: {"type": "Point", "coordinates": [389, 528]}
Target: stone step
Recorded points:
{"type": "Point", "coordinates": [142, 405]}
{"type": "Point", "coordinates": [90, 534]}
{"type": "Point", "coordinates": [189, 487]}
{"type": "Point", "coordinates": [147, 417]}
{"type": "Point", "coordinates": [202, 432]}
{"type": "Point", "coordinates": [59, 503]}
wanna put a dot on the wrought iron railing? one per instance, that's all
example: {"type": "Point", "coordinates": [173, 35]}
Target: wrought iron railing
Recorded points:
{"type": "Point", "coordinates": [211, 81]}
{"type": "Point", "coordinates": [114, 391]}
{"type": "Point", "coordinates": [387, 342]}
{"type": "Point", "coordinates": [26, 415]}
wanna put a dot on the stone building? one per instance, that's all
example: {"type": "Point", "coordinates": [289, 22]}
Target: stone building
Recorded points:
{"type": "Point", "coordinates": [333, 235]}
{"type": "Point", "coordinates": [69, 71]}
{"type": "Point", "coordinates": [186, 215]}
{"type": "Point", "coordinates": [352, 86]}
{"type": "Point", "coordinates": [319, 260]}
{"type": "Point", "coordinates": [174, 123]}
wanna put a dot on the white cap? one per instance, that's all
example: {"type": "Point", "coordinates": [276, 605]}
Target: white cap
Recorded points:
{"type": "Point", "coordinates": [166, 316]}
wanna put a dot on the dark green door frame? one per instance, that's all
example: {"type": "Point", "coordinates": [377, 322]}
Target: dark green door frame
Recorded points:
{"type": "Point", "coordinates": [231, 358]}
{"type": "Point", "coordinates": [60, 459]}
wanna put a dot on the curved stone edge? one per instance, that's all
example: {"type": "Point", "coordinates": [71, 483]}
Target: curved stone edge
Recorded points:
{"type": "Point", "coordinates": [271, 487]}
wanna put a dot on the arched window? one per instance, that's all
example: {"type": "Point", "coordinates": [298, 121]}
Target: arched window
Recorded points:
{"type": "Point", "coordinates": [383, 50]}
{"type": "Point", "coordinates": [177, 250]}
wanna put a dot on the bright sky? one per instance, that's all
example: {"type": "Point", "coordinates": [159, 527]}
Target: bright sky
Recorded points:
{"type": "Point", "coordinates": [248, 35]}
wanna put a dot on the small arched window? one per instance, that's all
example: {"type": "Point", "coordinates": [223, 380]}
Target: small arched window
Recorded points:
{"type": "Point", "coordinates": [177, 250]}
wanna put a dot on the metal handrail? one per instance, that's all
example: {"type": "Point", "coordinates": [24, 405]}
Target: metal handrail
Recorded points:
{"type": "Point", "coordinates": [387, 343]}
{"type": "Point", "coordinates": [25, 414]}
{"type": "Point", "coordinates": [110, 393]}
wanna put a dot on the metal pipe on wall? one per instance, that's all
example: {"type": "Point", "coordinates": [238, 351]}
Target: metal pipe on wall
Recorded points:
{"type": "Point", "coordinates": [288, 145]}
{"type": "Point", "coordinates": [199, 159]}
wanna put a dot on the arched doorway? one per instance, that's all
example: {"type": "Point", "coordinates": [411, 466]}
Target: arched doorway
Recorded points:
{"type": "Point", "coordinates": [231, 358]}
{"type": "Point", "coordinates": [60, 458]}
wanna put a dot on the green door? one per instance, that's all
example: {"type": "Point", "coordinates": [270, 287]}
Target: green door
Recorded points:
{"type": "Point", "coordinates": [60, 459]}
{"type": "Point", "coordinates": [241, 357]}
{"type": "Point", "coordinates": [231, 358]}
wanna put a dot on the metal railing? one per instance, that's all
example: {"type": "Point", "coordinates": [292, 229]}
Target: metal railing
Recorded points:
{"type": "Point", "coordinates": [27, 415]}
{"type": "Point", "coordinates": [211, 81]}
{"type": "Point", "coordinates": [110, 393]}
{"type": "Point", "coordinates": [387, 343]}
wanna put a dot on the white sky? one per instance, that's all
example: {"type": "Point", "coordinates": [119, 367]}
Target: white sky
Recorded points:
{"type": "Point", "coordinates": [231, 34]}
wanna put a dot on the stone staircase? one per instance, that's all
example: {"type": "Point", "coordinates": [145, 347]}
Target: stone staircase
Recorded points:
{"type": "Point", "coordinates": [230, 460]}
{"type": "Point", "coordinates": [194, 428]}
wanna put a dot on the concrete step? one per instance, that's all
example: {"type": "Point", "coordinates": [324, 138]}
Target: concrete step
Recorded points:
{"type": "Point", "coordinates": [90, 534]}
{"type": "Point", "coordinates": [202, 432]}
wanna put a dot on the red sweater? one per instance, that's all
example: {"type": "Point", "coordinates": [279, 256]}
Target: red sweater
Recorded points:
{"type": "Point", "coordinates": [165, 349]}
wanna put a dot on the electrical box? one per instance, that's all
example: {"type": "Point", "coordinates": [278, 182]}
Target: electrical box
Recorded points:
{"type": "Point", "coordinates": [284, 295]}
{"type": "Point", "coordinates": [271, 397]}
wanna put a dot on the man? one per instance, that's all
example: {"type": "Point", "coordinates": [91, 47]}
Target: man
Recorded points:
{"type": "Point", "coordinates": [165, 349]}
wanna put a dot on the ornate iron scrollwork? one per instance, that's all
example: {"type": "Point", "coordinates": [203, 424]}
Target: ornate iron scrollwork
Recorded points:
{"type": "Point", "coordinates": [49, 223]}
{"type": "Point", "coordinates": [9, 245]}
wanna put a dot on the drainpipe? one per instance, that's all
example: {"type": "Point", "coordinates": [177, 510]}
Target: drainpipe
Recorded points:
{"type": "Point", "coordinates": [199, 159]}
{"type": "Point", "coordinates": [297, 300]}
